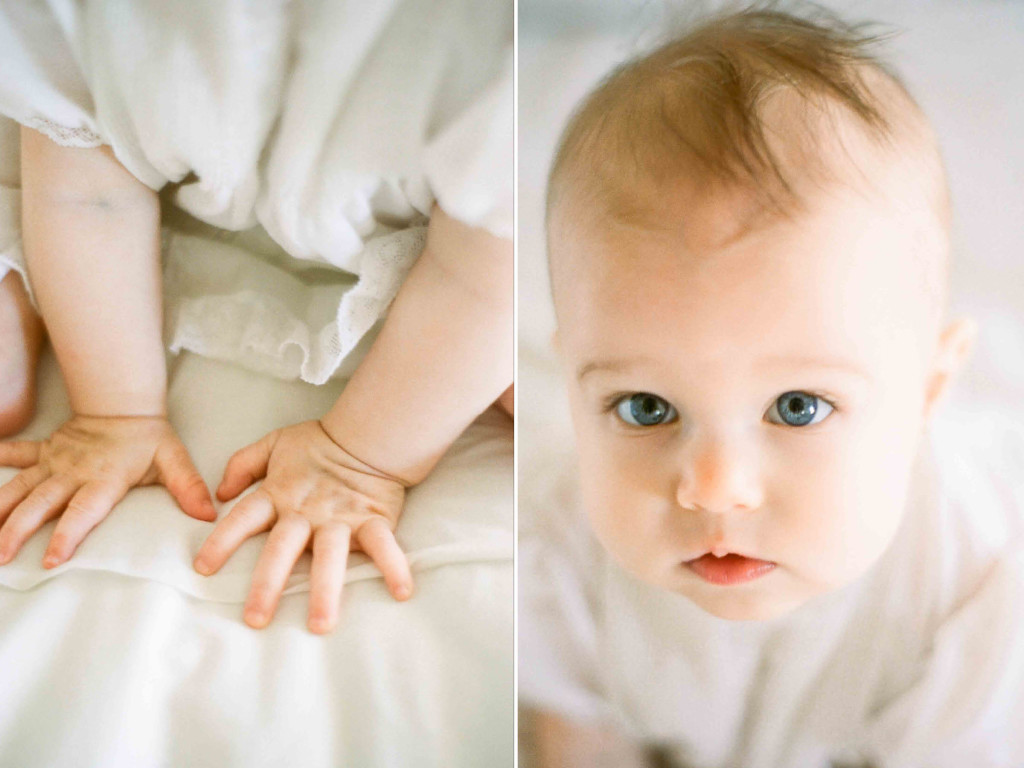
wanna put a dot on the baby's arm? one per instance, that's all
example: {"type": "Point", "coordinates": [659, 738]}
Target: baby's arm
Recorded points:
{"type": "Point", "coordinates": [443, 355]}
{"type": "Point", "coordinates": [557, 742]}
{"type": "Point", "coordinates": [91, 240]}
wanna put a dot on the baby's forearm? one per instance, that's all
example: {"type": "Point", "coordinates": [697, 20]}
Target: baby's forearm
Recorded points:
{"type": "Point", "coordinates": [557, 742]}
{"type": "Point", "coordinates": [91, 239]}
{"type": "Point", "coordinates": [443, 355]}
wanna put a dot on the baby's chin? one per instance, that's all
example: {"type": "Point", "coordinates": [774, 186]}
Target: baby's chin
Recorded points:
{"type": "Point", "coordinates": [745, 607]}
{"type": "Point", "coordinates": [772, 596]}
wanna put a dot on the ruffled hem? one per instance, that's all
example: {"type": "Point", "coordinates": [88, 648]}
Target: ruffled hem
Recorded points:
{"type": "Point", "coordinates": [64, 136]}
{"type": "Point", "coordinates": [228, 304]}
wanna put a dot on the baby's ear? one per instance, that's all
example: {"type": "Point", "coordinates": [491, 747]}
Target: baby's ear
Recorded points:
{"type": "Point", "coordinates": [955, 345]}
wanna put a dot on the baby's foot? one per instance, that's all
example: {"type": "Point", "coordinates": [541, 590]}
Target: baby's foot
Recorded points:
{"type": "Point", "coordinates": [21, 339]}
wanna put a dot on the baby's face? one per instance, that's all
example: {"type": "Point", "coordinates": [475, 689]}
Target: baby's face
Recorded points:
{"type": "Point", "coordinates": [763, 399]}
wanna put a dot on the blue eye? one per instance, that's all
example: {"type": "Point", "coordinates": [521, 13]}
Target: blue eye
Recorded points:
{"type": "Point", "coordinates": [798, 409]}
{"type": "Point", "coordinates": [644, 410]}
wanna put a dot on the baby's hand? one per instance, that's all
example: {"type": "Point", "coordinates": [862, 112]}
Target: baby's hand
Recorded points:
{"type": "Point", "coordinates": [313, 489]}
{"type": "Point", "coordinates": [83, 470]}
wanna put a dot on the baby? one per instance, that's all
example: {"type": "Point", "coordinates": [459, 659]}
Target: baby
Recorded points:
{"type": "Point", "coordinates": [91, 232]}
{"type": "Point", "coordinates": [749, 245]}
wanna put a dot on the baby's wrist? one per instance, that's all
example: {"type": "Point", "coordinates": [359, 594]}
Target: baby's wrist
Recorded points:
{"type": "Point", "coordinates": [120, 407]}
{"type": "Point", "coordinates": [358, 451]}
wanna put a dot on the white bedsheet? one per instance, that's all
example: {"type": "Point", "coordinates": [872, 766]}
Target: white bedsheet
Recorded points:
{"type": "Point", "coordinates": [124, 656]}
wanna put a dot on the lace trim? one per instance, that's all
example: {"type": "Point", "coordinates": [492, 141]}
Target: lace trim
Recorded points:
{"type": "Point", "coordinates": [261, 325]}
{"type": "Point", "coordinates": [66, 137]}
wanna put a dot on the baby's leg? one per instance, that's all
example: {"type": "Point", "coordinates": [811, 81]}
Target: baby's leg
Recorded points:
{"type": "Point", "coordinates": [21, 338]}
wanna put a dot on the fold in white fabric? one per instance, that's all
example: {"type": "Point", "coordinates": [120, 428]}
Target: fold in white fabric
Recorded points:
{"type": "Point", "coordinates": [106, 670]}
{"type": "Point", "coordinates": [332, 126]}
{"type": "Point", "coordinates": [124, 656]}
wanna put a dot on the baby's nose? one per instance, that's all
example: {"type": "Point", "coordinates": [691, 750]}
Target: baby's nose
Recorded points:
{"type": "Point", "coordinates": [719, 476]}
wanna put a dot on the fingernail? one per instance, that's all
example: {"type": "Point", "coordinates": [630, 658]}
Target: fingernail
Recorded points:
{"type": "Point", "coordinates": [319, 625]}
{"type": "Point", "coordinates": [50, 560]}
{"type": "Point", "coordinates": [402, 592]}
{"type": "Point", "coordinates": [202, 566]}
{"type": "Point", "coordinates": [254, 616]}
{"type": "Point", "coordinates": [4, 557]}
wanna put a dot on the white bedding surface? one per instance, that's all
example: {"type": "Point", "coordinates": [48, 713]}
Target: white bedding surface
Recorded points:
{"type": "Point", "coordinates": [125, 656]}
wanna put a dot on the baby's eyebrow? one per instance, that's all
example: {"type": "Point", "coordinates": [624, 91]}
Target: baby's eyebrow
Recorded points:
{"type": "Point", "coordinates": [839, 366]}
{"type": "Point", "coordinates": [614, 364]}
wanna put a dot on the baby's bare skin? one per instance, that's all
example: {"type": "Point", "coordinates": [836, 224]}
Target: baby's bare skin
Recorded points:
{"type": "Point", "coordinates": [21, 339]}
{"type": "Point", "coordinates": [338, 483]}
{"type": "Point", "coordinates": [90, 231]}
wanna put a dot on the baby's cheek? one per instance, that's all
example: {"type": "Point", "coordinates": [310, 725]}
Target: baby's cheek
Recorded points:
{"type": "Point", "coordinates": [626, 500]}
{"type": "Point", "coordinates": [847, 511]}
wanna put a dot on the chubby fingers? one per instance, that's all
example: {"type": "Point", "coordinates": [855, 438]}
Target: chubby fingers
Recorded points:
{"type": "Point", "coordinates": [285, 544]}
{"type": "Point", "coordinates": [182, 479]}
{"type": "Point", "coordinates": [41, 498]}
{"type": "Point", "coordinates": [14, 491]}
{"type": "Point", "coordinates": [253, 514]}
{"type": "Point", "coordinates": [331, 544]}
{"type": "Point", "coordinates": [246, 466]}
{"type": "Point", "coordinates": [19, 453]}
{"type": "Point", "coordinates": [90, 504]}
{"type": "Point", "coordinates": [377, 540]}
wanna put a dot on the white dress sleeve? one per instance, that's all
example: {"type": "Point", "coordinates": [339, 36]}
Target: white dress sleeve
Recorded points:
{"type": "Point", "coordinates": [560, 588]}
{"type": "Point", "coordinates": [469, 165]}
{"type": "Point", "coordinates": [965, 704]}
{"type": "Point", "coordinates": [43, 85]}
{"type": "Point", "coordinates": [558, 634]}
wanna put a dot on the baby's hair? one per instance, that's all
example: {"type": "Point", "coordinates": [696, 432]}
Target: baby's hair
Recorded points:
{"type": "Point", "coordinates": [758, 100]}
{"type": "Point", "coordinates": [699, 105]}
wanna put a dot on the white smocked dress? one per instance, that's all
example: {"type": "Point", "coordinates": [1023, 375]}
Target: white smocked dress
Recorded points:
{"type": "Point", "coordinates": [298, 146]}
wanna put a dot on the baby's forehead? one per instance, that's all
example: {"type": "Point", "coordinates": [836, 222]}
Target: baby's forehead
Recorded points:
{"type": "Point", "coordinates": [703, 217]}
{"type": "Point", "coordinates": [639, 302]}
{"type": "Point", "coordinates": [727, 256]}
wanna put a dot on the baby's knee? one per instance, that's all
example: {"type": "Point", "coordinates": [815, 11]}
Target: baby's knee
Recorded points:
{"type": "Point", "coordinates": [17, 410]}
{"type": "Point", "coordinates": [507, 400]}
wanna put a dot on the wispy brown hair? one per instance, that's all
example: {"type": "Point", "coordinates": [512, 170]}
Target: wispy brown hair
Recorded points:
{"type": "Point", "coordinates": [699, 108]}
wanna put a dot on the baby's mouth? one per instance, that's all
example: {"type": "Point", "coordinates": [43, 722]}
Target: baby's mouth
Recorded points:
{"type": "Point", "coordinates": [729, 569]}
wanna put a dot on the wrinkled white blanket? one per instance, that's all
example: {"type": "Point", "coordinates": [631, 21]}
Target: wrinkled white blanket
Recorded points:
{"type": "Point", "coordinates": [124, 656]}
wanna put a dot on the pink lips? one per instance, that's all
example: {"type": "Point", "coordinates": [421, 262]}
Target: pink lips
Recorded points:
{"type": "Point", "coordinates": [729, 569]}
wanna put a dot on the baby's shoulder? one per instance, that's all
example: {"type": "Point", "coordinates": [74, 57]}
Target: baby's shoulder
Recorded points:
{"type": "Point", "coordinates": [978, 470]}
{"type": "Point", "coordinates": [973, 480]}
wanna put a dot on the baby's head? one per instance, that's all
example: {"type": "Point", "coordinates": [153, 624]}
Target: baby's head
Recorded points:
{"type": "Point", "coordinates": [748, 234]}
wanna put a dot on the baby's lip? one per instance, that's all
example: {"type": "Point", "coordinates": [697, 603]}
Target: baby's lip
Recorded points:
{"type": "Point", "coordinates": [729, 569]}
{"type": "Point", "coordinates": [720, 551]}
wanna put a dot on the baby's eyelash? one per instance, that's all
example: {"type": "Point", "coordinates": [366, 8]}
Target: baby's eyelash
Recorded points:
{"type": "Point", "coordinates": [830, 399]}
{"type": "Point", "coordinates": [610, 403]}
